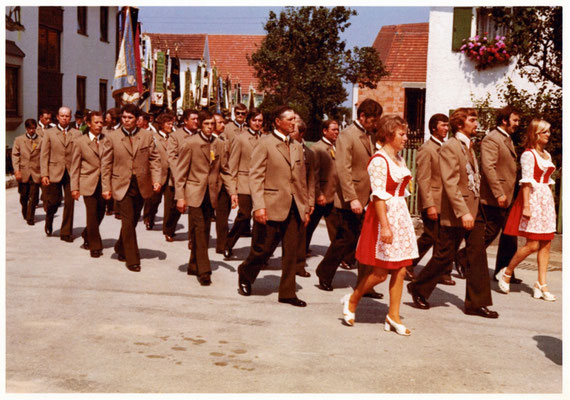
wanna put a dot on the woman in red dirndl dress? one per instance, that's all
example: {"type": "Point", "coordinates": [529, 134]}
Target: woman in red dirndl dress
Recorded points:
{"type": "Point", "coordinates": [387, 240]}
{"type": "Point", "coordinates": [533, 213]}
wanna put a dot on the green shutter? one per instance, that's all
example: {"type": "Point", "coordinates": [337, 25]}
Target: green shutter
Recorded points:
{"type": "Point", "coordinates": [461, 26]}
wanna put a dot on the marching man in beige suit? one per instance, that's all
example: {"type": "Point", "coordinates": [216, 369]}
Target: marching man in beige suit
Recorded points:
{"type": "Point", "coordinates": [280, 205]}
{"type": "Point", "coordinates": [131, 172]}
{"type": "Point", "coordinates": [460, 219]}
{"type": "Point", "coordinates": [55, 160]}
{"type": "Point", "coordinates": [26, 164]}
{"type": "Point", "coordinates": [86, 181]}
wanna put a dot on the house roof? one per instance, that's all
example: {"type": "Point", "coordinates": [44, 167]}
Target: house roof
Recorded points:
{"type": "Point", "coordinates": [230, 52]}
{"type": "Point", "coordinates": [403, 51]}
{"type": "Point", "coordinates": [186, 46]}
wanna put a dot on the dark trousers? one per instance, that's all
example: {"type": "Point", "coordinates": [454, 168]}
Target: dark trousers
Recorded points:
{"type": "Point", "coordinates": [428, 238]}
{"type": "Point", "coordinates": [302, 249]}
{"type": "Point", "coordinates": [495, 219]}
{"type": "Point", "coordinates": [109, 205]}
{"type": "Point", "coordinates": [478, 286]}
{"type": "Point", "coordinates": [29, 197]}
{"type": "Point", "coordinates": [199, 221]}
{"type": "Point", "coordinates": [130, 207]}
{"type": "Point", "coordinates": [342, 246]}
{"type": "Point", "coordinates": [242, 221]}
{"type": "Point", "coordinates": [95, 212]}
{"type": "Point", "coordinates": [326, 211]}
{"type": "Point", "coordinates": [171, 213]}
{"type": "Point", "coordinates": [223, 209]}
{"type": "Point", "coordinates": [263, 244]}
{"type": "Point", "coordinates": [53, 199]}
{"type": "Point", "coordinates": [151, 206]}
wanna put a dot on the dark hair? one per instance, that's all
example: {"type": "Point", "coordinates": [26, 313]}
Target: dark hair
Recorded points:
{"type": "Point", "coordinates": [457, 119]}
{"type": "Point", "coordinates": [254, 112]}
{"type": "Point", "coordinates": [145, 116]}
{"type": "Point", "coordinates": [204, 115]}
{"type": "Point", "coordinates": [240, 106]}
{"type": "Point", "coordinates": [387, 125]}
{"type": "Point", "coordinates": [189, 111]}
{"type": "Point", "coordinates": [30, 123]}
{"type": "Point", "coordinates": [279, 111]}
{"type": "Point", "coordinates": [327, 123]}
{"type": "Point", "coordinates": [504, 114]}
{"type": "Point", "coordinates": [219, 114]}
{"type": "Point", "coordinates": [131, 109]}
{"type": "Point", "coordinates": [369, 108]}
{"type": "Point", "coordinates": [163, 118]}
{"type": "Point", "coordinates": [432, 124]}
{"type": "Point", "coordinates": [93, 114]}
{"type": "Point", "coordinates": [79, 114]}
{"type": "Point", "coordinates": [302, 126]}
{"type": "Point", "coordinates": [45, 111]}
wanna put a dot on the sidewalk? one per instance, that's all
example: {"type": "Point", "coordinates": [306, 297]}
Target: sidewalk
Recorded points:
{"type": "Point", "coordinates": [75, 324]}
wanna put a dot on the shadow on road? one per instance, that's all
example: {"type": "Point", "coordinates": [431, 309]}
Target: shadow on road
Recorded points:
{"type": "Point", "coordinates": [551, 347]}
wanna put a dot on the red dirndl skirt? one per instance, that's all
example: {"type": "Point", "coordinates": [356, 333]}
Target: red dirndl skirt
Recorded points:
{"type": "Point", "coordinates": [514, 220]}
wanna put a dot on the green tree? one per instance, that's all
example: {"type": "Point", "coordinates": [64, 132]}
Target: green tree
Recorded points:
{"type": "Point", "coordinates": [303, 62]}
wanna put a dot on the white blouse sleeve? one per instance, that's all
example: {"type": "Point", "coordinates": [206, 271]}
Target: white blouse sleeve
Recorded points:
{"type": "Point", "coordinates": [527, 167]}
{"type": "Point", "coordinates": [378, 170]}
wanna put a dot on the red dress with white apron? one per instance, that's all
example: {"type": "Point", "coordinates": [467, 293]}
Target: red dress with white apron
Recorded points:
{"type": "Point", "coordinates": [388, 182]}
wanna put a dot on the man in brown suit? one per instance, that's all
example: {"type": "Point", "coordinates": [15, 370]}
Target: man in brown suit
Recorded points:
{"type": "Point", "coordinates": [428, 179]}
{"type": "Point", "coordinates": [55, 161]}
{"type": "Point", "coordinates": [130, 170]}
{"type": "Point", "coordinates": [280, 205]}
{"type": "Point", "coordinates": [498, 181]}
{"type": "Point", "coordinates": [197, 187]}
{"type": "Point", "coordinates": [26, 163]}
{"type": "Point", "coordinates": [354, 148]}
{"type": "Point", "coordinates": [238, 124]}
{"type": "Point", "coordinates": [224, 204]}
{"type": "Point", "coordinates": [460, 219]}
{"type": "Point", "coordinates": [44, 122]}
{"type": "Point", "coordinates": [86, 181]}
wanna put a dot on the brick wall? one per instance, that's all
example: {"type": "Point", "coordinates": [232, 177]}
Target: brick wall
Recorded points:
{"type": "Point", "coordinates": [390, 94]}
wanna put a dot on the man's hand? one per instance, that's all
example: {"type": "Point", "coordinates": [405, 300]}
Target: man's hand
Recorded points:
{"type": "Point", "coordinates": [311, 210]}
{"type": "Point", "coordinates": [432, 213]}
{"type": "Point", "coordinates": [260, 216]}
{"type": "Point", "coordinates": [181, 205]}
{"type": "Point", "coordinates": [502, 201]}
{"type": "Point", "coordinates": [75, 194]}
{"type": "Point", "coordinates": [356, 207]}
{"type": "Point", "coordinates": [234, 198]}
{"type": "Point", "coordinates": [45, 181]}
{"type": "Point", "coordinates": [468, 221]}
{"type": "Point", "coordinates": [18, 175]}
{"type": "Point", "coordinates": [307, 219]}
{"type": "Point", "coordinates": [386, 235]}
{"type": "Point", "coordinates": [322, 200]}
{"type": "Point", "coordinates": [156, 187]}
{"type": "Point", "coordinates": [106, 195]}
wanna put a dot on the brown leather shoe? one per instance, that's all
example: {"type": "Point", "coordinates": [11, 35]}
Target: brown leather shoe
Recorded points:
{"type": "Point", "coordinates": [446, 280]}
{"type": "Point", "coordinates": [169, 238]}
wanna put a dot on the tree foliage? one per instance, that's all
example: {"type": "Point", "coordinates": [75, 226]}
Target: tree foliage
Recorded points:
{"type": "Point", "coordinates": [303, 62]}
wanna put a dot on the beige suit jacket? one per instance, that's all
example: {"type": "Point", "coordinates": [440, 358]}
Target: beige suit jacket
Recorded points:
{"type": "Point", "coordinates": [353, 151]}
{"type": "Point", "coordinates": [55, 155]}
{"type": "Point", "coordinates": [121, 160]}
{"type": "Point", "coordinates": [161, 147]}
{"type": "Point", "coordinates": [498, 168]}
{"type": "Point", "coordinates": [326, 177]}
{"type": "Point", "coordinates": [173, 144]}
{"type": "Point", "coordinates": [26, 157]}
{"type": "Point", "coordinates": [428, 176]}
{"type": "Point", "coordinates": [309, 156]}
{"type": "Point", "coordinates": [456, 200]}
{"type": "Point", "coordinates": [232, 130]}
{"type": "Point", "coordinates": [198, 171]}
{"type": "Point", "coordinates": [277, 177]}
{"type": "Point", "coordinates": [86, 165]}
{"type": "Point", "coordinates": [240, 157]}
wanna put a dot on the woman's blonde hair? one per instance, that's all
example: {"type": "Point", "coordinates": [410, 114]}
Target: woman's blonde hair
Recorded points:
{"type": "Point", "coordinates": [535, 127]}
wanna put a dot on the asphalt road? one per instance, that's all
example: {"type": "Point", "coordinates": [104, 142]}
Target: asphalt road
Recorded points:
{"type": "Point", "coordinates": [75, 324]}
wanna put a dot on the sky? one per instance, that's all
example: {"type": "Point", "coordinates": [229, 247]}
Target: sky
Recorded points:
{"type": "Point", "coordinates": [250, 20]}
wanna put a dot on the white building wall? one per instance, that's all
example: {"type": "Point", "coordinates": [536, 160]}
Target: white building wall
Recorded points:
{"type": "Point", "coordinates": [452, 80]}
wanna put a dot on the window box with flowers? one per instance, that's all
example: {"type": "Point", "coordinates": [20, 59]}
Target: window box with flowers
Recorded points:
{"type": "Point", "coordinates": [486, 52]}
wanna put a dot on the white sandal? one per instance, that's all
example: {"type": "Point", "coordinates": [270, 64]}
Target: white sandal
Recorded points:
{"type": "Point", "coordinates": [348, 315]}
{"type": "Point", "coordinates": [538, 292]}
{"type": "Point", "coordinates": [504, 285]}
{"type": "Point", "coordinates": [399, 328]}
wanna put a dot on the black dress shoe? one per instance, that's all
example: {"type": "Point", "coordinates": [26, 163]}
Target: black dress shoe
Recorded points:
{"type": "Point", "coordinates": [294, 301]}
{"type": "Point", "coordinates": [374, 295]}
{"type": "Point", "coordinates": [419, 300]}
{"type": "Point", "coordinates": [66, 238]}
{"type": "Point", "coordinates": [446, 280]}
{"type": "Point", "coordinates": [48, 228]}
{"type": "Point", "coordinates": [344, 265]}
{"type": "Point", "coordinates": [482, 312]}
{"type": "Point", "coordinates": [134, 268]}
{"type": "Point", "coordinates": [122, 258]}
{"type": "Point", "coordinates": [85, 245]}
{"type": "Point", "coordinates": [205, 280]}
{"type": "Point", "coordinates": [325, 286]}
{"type": "Point", "coordinates": [168, 238]}
{"type": "Point", "coordinates": [244, 285]}
{"type": "Point", "coordinates": [147, 226]}
{"type": "Point", "coordinates": [304, 273]}
{"type": "Point", "coordinates": [460, 269]}
{"type": "Point", "coordinates": [227, 253]}
{"type": "Point", "coordinates": [219, 251]}
{"type": "Point", "coordinates": [96, 253]}
{"type": "Point", "coordinates": [410, 276]}
{"type": "Point", "coordinates": [30, 222]}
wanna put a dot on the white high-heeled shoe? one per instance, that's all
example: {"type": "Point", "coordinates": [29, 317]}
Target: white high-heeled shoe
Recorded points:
{"type": "Point", "coordinates": [347, 315]}
{"type": "Point", "coordinates": [399, 328]}
{"type": "Point", "coordinates": [538, 292]}
{"type": "Point", "coordinates": [503, 285]}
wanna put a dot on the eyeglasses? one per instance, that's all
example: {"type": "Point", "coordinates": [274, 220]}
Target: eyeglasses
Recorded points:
{"type": "Point", "coordinates": [240, 112]}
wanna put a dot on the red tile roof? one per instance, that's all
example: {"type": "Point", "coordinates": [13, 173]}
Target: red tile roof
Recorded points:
{"type": "Point", "coordinates": [403, 50]}
{"type": "Point", "coordinates": [229, 54]}
{"type": "Point", "coordinates": [187, 46]}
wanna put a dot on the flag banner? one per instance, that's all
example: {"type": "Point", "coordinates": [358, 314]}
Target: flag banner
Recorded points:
{"type": "Point", "coordinates": [138, 66]}
{"type": "Point", "coordinates": [158, 86]}
{"type": "Point", "coordinates": [198, 84]}
{"type": "Point", "coordinates": [251, 103]}
{"type": "Point", "coordinates": [175, 78]}
{"type": "Point", "coordinates": [187, 83]}
{"type": "Point", "coordinates": [125, 79]}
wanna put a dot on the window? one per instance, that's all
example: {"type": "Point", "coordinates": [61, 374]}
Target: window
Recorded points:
{"type": "Point", "coordinates": [82, 20]}
{"type": "Point", "coordinates": [48, 49]}
{"type": "Point", "coordinates": [12, 90]}
{"type": "Point", "coordinates": [104, 23]}
{"type": "Point", "coordinates": [81, 91]}
{"type": "Point", "coordinates": [486, 25]}
{"type": "Point", "coordinates": [102, 95]}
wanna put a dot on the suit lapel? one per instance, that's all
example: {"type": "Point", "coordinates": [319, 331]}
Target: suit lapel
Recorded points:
{"type": "Point", "coordinates": [205, 151]}
{"type": "Point", "coordinates": [284, 150]}
{"type": "Point", "coordinates": [93, 146]}
{"type": "Point", "coordinates": [136, 143]}
{"type": "Point", "coordinates": [61, 137]}
{"type": "Point", "coordinates": [365, 142]}
{"type": "Point", "coordinates": [510, 146]}
{"type": "Point", "coordinates": [127, 144]}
